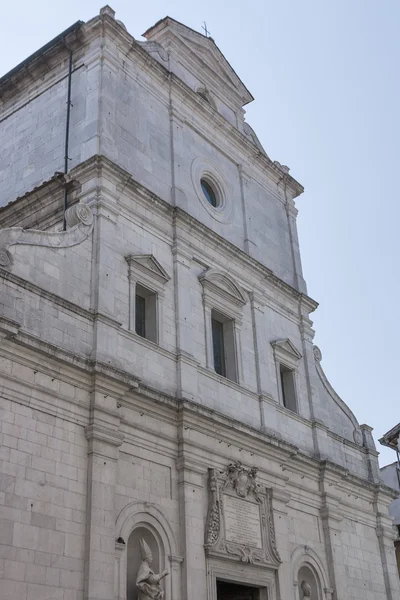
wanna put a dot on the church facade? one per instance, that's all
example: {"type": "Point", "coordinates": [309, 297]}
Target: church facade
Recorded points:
{"type": "Point", "coordinates": [167, 429]}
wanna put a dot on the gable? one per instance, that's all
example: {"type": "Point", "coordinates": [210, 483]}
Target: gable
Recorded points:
{"type": "Point", "coordinates": [223, 285]}
{"type": "Point", "coordinates": [199, 54]}
{"type": "Point", "coordinates": [147, 266]}
{"type": "Point", "coordinates": [286, 347]}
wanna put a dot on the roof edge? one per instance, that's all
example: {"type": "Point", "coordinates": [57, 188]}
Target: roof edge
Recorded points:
{"type": "Point", "coordinates": [54, 42]}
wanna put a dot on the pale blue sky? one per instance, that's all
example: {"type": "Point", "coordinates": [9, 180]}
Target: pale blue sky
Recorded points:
{"type": "Point", "coordinates": [324, 74]}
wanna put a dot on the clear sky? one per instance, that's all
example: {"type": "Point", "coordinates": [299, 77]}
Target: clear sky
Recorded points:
{"type": "Point", "coordinates": [325, 77]}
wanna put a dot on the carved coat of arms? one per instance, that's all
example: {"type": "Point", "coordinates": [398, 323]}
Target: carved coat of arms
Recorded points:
{"type": "Point", "coordinates": [243, 480]}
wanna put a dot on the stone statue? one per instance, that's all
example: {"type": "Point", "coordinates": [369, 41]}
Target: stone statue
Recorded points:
{"type": "Point", "coordinates": [306, 589]}
{"type": "Point", "coordinates": [147, 582]}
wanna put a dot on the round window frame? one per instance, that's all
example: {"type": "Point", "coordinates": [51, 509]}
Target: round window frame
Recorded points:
{"type": "Point", "coordinates": [202, 169]}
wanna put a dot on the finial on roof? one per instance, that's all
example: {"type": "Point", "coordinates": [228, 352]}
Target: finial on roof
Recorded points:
{"type": "Point", "coordinates": [107, 10]}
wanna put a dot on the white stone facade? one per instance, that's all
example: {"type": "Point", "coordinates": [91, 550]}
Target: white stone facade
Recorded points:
{"type": "Point", "coordinates": [106, 435]}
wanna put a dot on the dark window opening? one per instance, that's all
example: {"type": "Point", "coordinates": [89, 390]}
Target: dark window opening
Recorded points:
{"type": "Point", "coordinates": [146, 313]}
{"type": "Point", "coordinates": [140, 311]}
{"type": "Point", "coordinates": [288, 388]}
{"type": "Point", "coordinates": [218, 347]}
{"type": "Point", "coordinates": [209, 193]}
{"type": "Point", "coordinates": [224, 347]}
{"type": "Point", "coordinates": [235, 591]}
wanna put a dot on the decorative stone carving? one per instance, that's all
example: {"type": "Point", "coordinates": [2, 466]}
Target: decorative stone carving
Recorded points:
{"type": "Point", "coordinates": [79, 219]}
{"type": "Point", "coordinates": [79, 213]}
{"type": "Point", "coordinates": [317, 354]}
{"type": "Point", "coordinates": [5, 258]}
{"type": "Point", "coordinates": [243, 480]}
{"type": "Point", "coordinates": [239, 520]}
{"type": "Point", "coordinates": [250, 133]}
{"type": "Point", "coordinates": [306, 589]}
{"type": "Point", "coordinates": [148, 582]}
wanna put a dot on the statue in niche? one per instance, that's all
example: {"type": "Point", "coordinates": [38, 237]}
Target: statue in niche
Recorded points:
{"type": "Point", "coordinates": [306, 589]}
{"type": "Point", "coordinates": [147, 582]}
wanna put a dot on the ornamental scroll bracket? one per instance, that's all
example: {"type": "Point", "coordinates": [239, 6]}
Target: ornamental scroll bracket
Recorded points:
{"type": "Point", "coordinates": [79, 218]}
{"type": "Point", "coordinates": [240, 522]}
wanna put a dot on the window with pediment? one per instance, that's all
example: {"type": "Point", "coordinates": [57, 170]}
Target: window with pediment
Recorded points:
{"type": "Point", "coordinates": [223, 302]}
{"type": "Point", "coordinates": [147, 279]}
{"type": "Point", "coordinates": [287, 359]}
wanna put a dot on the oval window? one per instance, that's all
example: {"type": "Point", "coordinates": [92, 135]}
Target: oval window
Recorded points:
{"type": "Point", "coordinates": [209, 193]}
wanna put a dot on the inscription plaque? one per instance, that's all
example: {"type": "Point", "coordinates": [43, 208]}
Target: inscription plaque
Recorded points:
{"type": "Point", "coordinates": [242, 522]}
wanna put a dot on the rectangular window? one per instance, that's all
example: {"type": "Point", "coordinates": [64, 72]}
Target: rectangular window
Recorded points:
{"type": "Point", "coordinates": [288, 388]}
{"type": "Point", "coordinates": [223, 339]}
{"type": "Point", "coordinates": [218, 347]}
{"type": "Point", "coordinates": [140, 311]}
{"type": "Point", "coordinates": [146, 313]}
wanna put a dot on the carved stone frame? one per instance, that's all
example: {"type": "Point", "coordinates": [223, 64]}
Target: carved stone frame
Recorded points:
{"type": "Point", "coordinates": [219, 570]}
{"type": "Point", "coordinates": [223, 555]}
{"type": "Point", "coordinates": [144, 269]}
{"type": "Point", "coordinates": [139, 514]}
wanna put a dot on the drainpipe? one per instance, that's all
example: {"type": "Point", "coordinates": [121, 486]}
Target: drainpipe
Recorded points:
{"type": "Point", "coordinates": [66, 147]}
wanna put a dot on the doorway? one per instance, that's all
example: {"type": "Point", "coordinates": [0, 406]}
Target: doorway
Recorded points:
{"type": "Point", "coordinates": [236, 591]}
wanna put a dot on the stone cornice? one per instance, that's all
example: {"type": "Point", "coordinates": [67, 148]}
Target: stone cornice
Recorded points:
{"type": "Point", "coordinates": [35, 289]}
{"type": "Point", "coordinates": [41, 203]}
{"type": "Point", "coordinates": [33, 68]}
{"type": "Point", "coordinates": [104, 166]}
{"type": "Point", "coordinates": [209, 422]}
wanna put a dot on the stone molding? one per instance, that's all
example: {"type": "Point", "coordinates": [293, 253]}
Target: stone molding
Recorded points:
{"type": "Point", "coordinates": [79, 219]}
{"type": "Point", "coordinates": [146, 268]}
{"type": "Point", "coordinates": [306, 556]}
{"type": "Point", "coordinates": [217, 284]}
{"type": "Point", "coordinates": [251, 134]}
{"type": "Point", "coordinates": [357, 433]}
{"type": "Point", "coordinates": [286, 350]}
{"type": "Point", "coordinates": [103, 166]}
{"type": "Point", "coordinates": [202, 168]}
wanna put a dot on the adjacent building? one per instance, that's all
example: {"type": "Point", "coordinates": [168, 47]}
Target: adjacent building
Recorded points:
{"type": "Point", "coordinates": [390, 475]}
{"type": "Point", "coordinates": [159, 384]}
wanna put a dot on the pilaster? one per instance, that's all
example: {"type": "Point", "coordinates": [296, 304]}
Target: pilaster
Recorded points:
{"type": "Point", "coordinates": [371, 453]}
{"type": "Point", "coordinates": [104, 439]}
{"type": "Point", "coordinates": [331, 517]}
{"type": "Point", "coordinates": [191, 492]}
{"type": "Point", "coordinates": [186, 365]}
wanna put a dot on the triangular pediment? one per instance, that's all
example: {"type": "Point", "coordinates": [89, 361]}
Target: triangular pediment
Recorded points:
{"type": "Point", "coordinates": [224, 285]}
{"type": "Point", "coordinates": [147, 264]}
{"type": "Point", "coordinates": [201, 51]}
{"type": "Point", "coordinates": [286, 347]}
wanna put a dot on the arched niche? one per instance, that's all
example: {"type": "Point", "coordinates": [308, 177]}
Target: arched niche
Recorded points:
{"type": "Point", "coordinates": [308, 567]}
{"type": "Point", "coordinates": [134, 559]}
{"type": "Point", "coordinates": [306, 577]}
{"type": "Point", "coordinates": [145, 520]}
